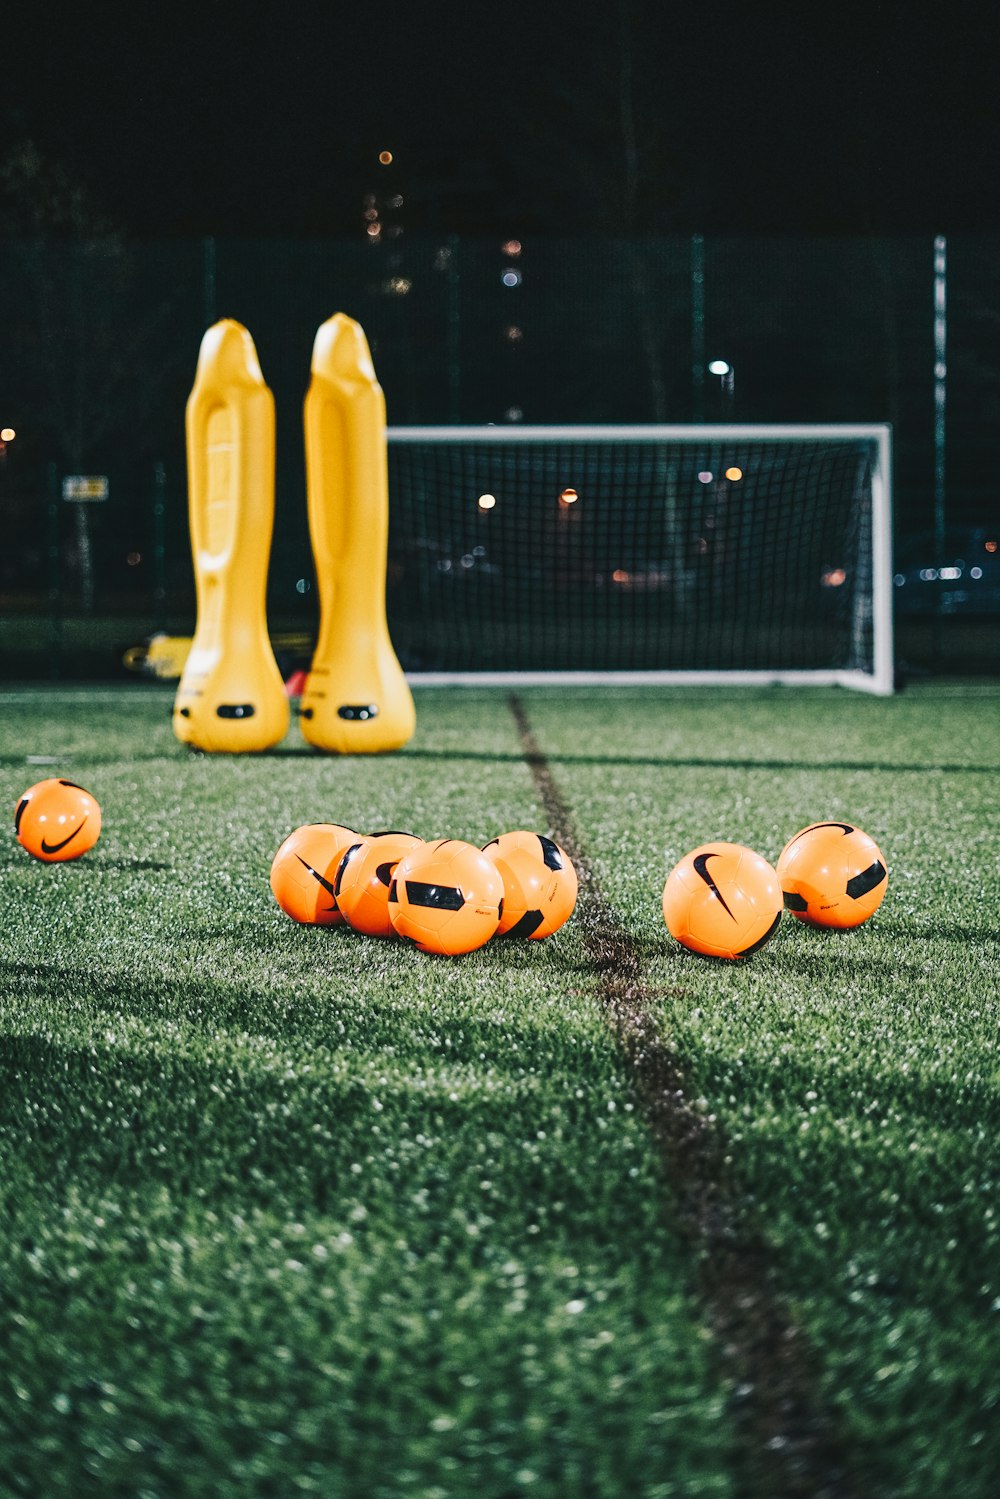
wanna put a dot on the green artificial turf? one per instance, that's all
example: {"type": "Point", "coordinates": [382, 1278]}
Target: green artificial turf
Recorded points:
{"type": "Point", "coordinates": [289, 1210]}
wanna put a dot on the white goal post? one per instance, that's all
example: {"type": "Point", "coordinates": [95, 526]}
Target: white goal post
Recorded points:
{"type": "Point", "coordinates": [645, 554]}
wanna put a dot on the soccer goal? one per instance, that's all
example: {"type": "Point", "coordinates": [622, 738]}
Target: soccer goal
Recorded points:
{"type": "Point", "coordinates": [710, 554]}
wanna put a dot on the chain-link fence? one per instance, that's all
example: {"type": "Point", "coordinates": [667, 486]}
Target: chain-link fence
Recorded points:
{"type": "Point", "coordinates": [99, 341]}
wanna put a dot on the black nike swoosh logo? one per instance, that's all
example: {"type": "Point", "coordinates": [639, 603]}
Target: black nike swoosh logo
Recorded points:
{"type": "Point", "coordinates": [53, 848]}
{"type": "Point", "coordinates": [845, 826]}
{"type": "Point", "coordinates": [701, 870]}
{"type": "Point", "coordinates": [318, 877]}
{"type": "Point", "coordinates": [383, 872]}
{"type": "Point", "coordinates": [551, 857]}
{"type": "Point", "coordinates": [338, 878]}
{"type": "Point", "coordinates": [748, 952]}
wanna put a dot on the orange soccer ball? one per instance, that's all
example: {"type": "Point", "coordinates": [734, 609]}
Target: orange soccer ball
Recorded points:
{"type": "Point", "coordinates": [364, 877]}
{"type": "Point", "coordinates": [832, 875]}
{"type": "Point", "coordinates": [539, 882]}
{"type": "Point", "coordinates": [57, 820]}
{"type": "Point", "coordinates": [722, 900]}
{"type": "Point", "coordinates": [446, 897]}
{"type": "Point", "coordinates": [304, 869]}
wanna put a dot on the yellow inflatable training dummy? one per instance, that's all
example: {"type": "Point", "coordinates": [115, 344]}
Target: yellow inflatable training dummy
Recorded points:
{"type": "Point", "coordinates": [230, 696]}
{"type": "Point", "coordinates": [356, 698]}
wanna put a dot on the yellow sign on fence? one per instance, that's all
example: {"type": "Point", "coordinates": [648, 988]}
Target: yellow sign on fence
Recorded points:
{"type": "Point", "coordinates": [85, 487]}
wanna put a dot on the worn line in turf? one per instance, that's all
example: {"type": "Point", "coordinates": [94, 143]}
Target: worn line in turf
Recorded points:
{"type": "Point", "coordinates": [789, 1446]}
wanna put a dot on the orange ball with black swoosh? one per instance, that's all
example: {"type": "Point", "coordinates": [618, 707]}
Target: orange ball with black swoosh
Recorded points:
{"type": "Point", "coordinates": [539, 880]}
{"type": "Point", "coordinates": [56, 820]}
{"type": "Point", "coordinates": [304, 869]}
{"type": "Point", "coordinates": [364, 877]}
{"type": "Point", "coordinates": [722, 900]}
{"type": "Point", "coordinates": [832, 875]}
{"type": "Point", "coordinates": [446, 897]}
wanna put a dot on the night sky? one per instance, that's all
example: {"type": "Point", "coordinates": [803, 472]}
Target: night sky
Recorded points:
{"type": "Point", "coordinates": [516, 117]}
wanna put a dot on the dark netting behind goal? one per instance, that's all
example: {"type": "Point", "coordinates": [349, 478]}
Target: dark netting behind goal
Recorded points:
{"type": "Point", "coordinates": [595, 550]}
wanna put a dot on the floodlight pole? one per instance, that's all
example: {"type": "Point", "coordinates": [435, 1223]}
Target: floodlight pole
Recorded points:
{"type": "Point", "coordinates": [54, 570]}
{"type": "Point", "coordinates": [727, 385]}
{"type": "Point", "coordinates": [698, 324]}
{"type": "Point", "coordinates": [729, 390]}
{"type": "Point", "coordinates": [454, 333]}
{"type": "Point", "coordinates": [940, 379]}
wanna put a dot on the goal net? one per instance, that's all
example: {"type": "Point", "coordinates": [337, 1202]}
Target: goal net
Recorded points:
{"type": "Point", "coordinates": [652, 553]}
